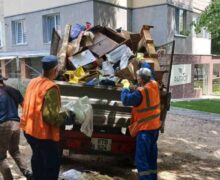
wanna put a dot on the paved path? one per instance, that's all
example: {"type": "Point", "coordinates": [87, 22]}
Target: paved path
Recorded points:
{"type": "Point", "coordinates": [194, 114]}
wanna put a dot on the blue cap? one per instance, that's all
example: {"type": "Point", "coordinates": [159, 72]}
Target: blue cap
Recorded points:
{"type": "Point", "coordinates": [49, 62]}
{"type": "Point", "coordinates": [145, 65]}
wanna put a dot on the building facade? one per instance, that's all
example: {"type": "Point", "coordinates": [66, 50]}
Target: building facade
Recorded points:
{"type": "Point", "coordinates": [26, 27]}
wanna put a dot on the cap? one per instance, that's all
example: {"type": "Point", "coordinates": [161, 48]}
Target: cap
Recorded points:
{"type": "Point", "coordinates": [3, 78]}
{"type": "Point", "coordinates": [145, 65]}
{"type": "Point", "coordinates": [144, 72]}
{"type": "Point", "coordinates": [49, 62]}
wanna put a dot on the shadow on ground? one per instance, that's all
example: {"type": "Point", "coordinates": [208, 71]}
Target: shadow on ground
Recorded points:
{"type": "Point", "coordinates": [185, 166]}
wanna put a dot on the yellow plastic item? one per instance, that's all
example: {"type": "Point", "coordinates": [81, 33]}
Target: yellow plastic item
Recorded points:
{"type": "Point", "coordinates": [74, 76]}
{"type": "Point", "coordinates": [125, 83]}
{"type": "Point", "coordinates": [140, 56]}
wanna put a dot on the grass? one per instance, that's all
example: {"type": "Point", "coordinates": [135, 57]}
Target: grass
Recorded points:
{"type": "Point", "coordinates": [212, 106]}
{"type": "Point", "coordinates": [215, 86]}
{"type": "Point", "coordinates": [216, 89]}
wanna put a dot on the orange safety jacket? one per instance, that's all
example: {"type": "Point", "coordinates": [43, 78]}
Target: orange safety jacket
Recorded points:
{"type": "Point", "coordinates": [32, 114]}
{"type": "Point", "coordinates": [146, 116]}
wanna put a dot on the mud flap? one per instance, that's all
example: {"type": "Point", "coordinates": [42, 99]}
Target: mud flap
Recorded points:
{"type": "Point", "coordinates": [165, 106]}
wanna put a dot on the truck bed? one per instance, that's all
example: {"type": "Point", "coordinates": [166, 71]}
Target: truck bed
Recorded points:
{"type": "Point", "coordinates": [107, 107]}
{"type": "Point", "coordinates": [110, 121]}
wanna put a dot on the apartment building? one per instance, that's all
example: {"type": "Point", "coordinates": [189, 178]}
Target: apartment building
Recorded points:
{"type": "Point", "coordinates": [1, 24]}
{"type": "Point", "coordinates": [26, 27]}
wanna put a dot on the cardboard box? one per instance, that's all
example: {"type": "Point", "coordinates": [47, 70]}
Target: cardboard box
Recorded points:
{"type": "Point", "coordinates": [102, 45]}
{"type": "Point", "coordinates": [83, 58]}
{"type": "Point", "coordinates": [129, 72]}
{"type": "Point", "coordinates": [105, 40]}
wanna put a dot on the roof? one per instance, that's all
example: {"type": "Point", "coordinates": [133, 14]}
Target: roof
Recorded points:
{"type": "Point", "coordinates": [23, 54]}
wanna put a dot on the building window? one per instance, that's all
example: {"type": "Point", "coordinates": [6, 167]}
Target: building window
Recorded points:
{"type": "Point", "coordinates": [19, 32]}
{"type": "Point", "coordinates": [1, 35]}
{"type": "Point", "coordinates": [50, 22]}
{"type": "Point", "coordinates": [180, 21]}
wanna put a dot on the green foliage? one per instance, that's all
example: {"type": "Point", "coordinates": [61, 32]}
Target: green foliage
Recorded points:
{"type": "Point", "coordinates": [216, 46]}
{"type": "Point", "coordinates": [212, 106]}
{"type": "Point", "coordinates": [210, 19]}
{"type": "Point", "coordinates": [216, 89]}
{"type": "Point", "coordinates": [185, 33]}
{"type": "Point", "coordinates": [198, 83]}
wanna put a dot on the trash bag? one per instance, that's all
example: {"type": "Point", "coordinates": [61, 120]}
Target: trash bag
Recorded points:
{"type": "Point", "coordinates": [84, 114]}
{"type": "Point", "coordinates": [125, 58]}
{"type": "Point", "coordinates": [76, 30]}
{"type": "Point", "coordinates": [107, 68]}
{"type": "Point", "coordinates": [71, 174]}
{"type": "Point", "coordinates": [122, 54]}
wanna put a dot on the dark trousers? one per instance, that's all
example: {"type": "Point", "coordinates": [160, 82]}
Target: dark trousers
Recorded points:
{"type": "Point", "coordinates": [45, 159]}
{"type": "Point", "coordinates": [146, 154]}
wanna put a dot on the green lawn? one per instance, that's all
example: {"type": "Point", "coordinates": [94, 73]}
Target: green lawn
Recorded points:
{"type": "Point", "coordinates": [212, 106]}
{"type": "Point", "coordinates": [216, 89]}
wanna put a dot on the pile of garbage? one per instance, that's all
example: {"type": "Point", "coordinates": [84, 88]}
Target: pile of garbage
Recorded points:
{"type": "Point", "coordinates": [102, 56]}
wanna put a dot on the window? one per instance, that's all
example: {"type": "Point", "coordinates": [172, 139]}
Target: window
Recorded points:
{"type": "Point", "coordinates": [18, 32]}
{"type": "Point", "coordinates": [181, 21]}
{"type": "Point", "coordinates": [1, 35]}
{"type": "Point", "coordinates": [50, 22]}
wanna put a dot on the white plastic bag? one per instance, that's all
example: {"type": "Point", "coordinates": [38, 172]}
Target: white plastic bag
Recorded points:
{"type": "Point", "coordinates": [122, 54]}
{"type": "Point", "coordinates": [76, 107]}
{"type": "Point", "coordinates": [87, 125]}
{"type": "Point", "coordinates": [84, 114]}
{"type": "Point", "coordinates": [71, 174]}
{"type": "Point", "coordinates": [125, 57]}
{"type": "Point", "coordinates": [107, 68]}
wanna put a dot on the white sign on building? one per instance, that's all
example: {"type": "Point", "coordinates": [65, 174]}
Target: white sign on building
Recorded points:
{"type": "Point", "coordinates": [181, 74]}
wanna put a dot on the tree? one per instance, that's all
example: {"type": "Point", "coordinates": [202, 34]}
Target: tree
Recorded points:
{"type": "Point", "coordinates": [210, 20]}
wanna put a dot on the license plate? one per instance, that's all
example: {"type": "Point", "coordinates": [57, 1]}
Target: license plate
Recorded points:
{"type": "Point", "coordinates": [101, 144]}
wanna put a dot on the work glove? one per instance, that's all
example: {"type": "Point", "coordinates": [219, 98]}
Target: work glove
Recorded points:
{"type": "Point", "coordinates": [70, 118]}
{"type": "Point", "coordinates": [125, 83]}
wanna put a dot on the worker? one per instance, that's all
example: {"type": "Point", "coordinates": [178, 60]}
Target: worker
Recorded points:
{"type": "Point", "coordinates": [10, 99]}
{"type": "Point", "coordinates": [41, 120]}
{"type": "Point", "coordinates": [145, 123]}
{"type": "Point", "coordinates": [144, 64]}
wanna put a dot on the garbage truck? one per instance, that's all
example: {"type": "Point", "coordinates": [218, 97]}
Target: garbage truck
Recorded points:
{"type": "Point", "coordinates": [110, 118]}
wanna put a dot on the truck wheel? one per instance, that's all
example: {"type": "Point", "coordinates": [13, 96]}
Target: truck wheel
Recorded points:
{"type": "Point", "coordinates": [127, 161]}
{"type": "Point", "coordinates": [131, 161]}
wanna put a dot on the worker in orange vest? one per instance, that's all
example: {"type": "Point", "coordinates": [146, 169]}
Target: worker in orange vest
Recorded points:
{"type": "Point", "coordinates": [41, 119]}
{"type": "Point", "coordinates": [145, 121]}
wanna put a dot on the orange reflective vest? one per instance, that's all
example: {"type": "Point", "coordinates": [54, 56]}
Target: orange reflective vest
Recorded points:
{"type": "Point", "coordinates": [32, 115]}
{"type": "Point", "coordinates": [146, 116]}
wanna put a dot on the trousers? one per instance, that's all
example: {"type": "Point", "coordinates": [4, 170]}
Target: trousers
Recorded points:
{"type": "Point", "coordinates": [146, 154]}
{"type": "Point", "coordinates": [9, 141]}
{"type": "Point", "coordinates": [45, 161]}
